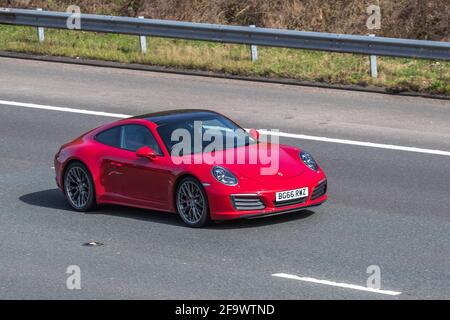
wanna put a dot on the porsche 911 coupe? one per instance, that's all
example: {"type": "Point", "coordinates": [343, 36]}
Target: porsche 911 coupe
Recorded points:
{"type": "Point", "coordinates": [176, 161]}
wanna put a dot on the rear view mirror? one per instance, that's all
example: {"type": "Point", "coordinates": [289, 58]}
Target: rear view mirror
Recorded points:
{"type": "Point", "coordinates": [146, 152]}
{"type": "Point", "coordinates": [254, 134]}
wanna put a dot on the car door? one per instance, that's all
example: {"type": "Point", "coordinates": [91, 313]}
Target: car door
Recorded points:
{"type": "Point", "coordinates": [129, 179]}
{"type": "Point", "coordinates": [145, 182]}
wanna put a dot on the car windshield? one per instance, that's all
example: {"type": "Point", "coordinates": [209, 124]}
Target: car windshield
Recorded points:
{"type": "Point", "coordinates": [203, 134]}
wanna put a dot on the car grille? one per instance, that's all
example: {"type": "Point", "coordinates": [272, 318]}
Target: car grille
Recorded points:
{"type": "Point", "coordinates": [290, 202]}
{"type": "Point", "coordinates": [319, 190]}
{"type": "Point", "coordinates": [244, 202]}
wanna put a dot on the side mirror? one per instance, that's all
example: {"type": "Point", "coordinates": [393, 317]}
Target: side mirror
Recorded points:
{"type": "Point", "coordinates": [254, 134]}
{"type": "Point", "coordinates": [146, 152]}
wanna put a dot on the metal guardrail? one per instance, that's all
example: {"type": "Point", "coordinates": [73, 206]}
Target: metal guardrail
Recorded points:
{"type": "Point", "coordinates": [234, 34]}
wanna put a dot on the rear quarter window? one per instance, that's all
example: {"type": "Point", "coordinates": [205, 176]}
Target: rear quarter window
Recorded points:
{"type": "Point", "coordinates": [110, 137]}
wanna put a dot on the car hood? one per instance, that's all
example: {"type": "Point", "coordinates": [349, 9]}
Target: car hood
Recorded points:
{"type": "Point", "coordinates": [272, 163]}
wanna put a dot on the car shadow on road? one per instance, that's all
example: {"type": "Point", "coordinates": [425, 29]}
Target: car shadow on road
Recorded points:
{"type": "Point", "coordinates": [54, 199]}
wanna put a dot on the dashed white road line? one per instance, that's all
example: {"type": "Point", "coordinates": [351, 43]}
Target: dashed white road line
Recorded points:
{"type": "Point", "coordinates": [274, 133]}
{"type": "Point", "coordinates": [336, 284]}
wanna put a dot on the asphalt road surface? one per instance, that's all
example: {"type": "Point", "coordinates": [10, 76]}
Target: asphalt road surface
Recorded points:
{"type": "Point", "coordinates": [388, 208]}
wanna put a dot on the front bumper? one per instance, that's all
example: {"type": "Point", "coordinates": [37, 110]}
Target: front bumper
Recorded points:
{"type": "Point", "coordinates": [260, 203]}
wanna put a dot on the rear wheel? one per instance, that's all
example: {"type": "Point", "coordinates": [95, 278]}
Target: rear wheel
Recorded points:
{"type": "Point", "coordinates": [79, 187]}
{"type": "Point", "coordinates": [192, 203]}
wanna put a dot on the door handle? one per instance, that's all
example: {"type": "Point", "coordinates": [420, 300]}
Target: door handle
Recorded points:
{"type": "Point", "coordinates": [116, 164]}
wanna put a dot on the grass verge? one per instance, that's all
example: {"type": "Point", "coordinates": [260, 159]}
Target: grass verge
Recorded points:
{"type": "Point", "coordinates": [395, 74]}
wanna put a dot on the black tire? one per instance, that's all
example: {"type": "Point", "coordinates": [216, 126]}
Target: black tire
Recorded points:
{"type": "Point", "coordinates": [78, 184]}
{"type": "Point", "coordinates": [195, 214]}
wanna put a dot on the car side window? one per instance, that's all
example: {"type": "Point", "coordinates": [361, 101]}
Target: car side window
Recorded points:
{"type": "Point", "coordinates": [136, 136]}
{"type": "Point", "coordinates": [110, 137]}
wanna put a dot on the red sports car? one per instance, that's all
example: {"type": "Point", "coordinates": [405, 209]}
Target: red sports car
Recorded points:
{"type": "Point", "coordinates": [196, 163]}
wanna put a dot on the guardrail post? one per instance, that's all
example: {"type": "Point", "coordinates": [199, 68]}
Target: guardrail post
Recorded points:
{"type": "Point", "coordinates": [40, 31]}
{"type": "Point", "coordinates": [254, 49]}
{"type": "Point", "coordinates": [373, 64]}
{"type": "Point", "coordinates": [143, 41]}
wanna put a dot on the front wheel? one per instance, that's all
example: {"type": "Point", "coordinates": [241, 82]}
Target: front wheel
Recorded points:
{"type": "Point", "coordinates": [192, 203]}
{"type": "Point", "coordinates": [79, 187]}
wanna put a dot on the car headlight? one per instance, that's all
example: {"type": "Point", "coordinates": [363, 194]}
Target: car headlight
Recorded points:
{"type": "Point", "coordinates": [224, 176]}
{"type": "Point", "coordinates": [308, 160]}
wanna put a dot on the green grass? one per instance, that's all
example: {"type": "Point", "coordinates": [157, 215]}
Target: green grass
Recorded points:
{"type": "Point", "coordinates": [394, 73]}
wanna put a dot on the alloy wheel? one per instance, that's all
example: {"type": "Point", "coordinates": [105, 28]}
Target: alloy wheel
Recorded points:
{"type": "Point", "coordinates": [77, 186]}
{"type": "Point", "coordinates": [191, 202]}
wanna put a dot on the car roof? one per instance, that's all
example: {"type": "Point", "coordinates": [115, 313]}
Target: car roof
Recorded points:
{"type": "Point", "coordinates": [170, 116]}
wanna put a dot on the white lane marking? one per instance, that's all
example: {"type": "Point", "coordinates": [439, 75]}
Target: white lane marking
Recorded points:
{"type": "Point", "coordinates": [280, 134]}
{"type": "Point", "coordinates": [80, 111]}
{"type": "Point", "coordinates": [357, 143]}
{"type": "Point", "coordinates": [335, 284]}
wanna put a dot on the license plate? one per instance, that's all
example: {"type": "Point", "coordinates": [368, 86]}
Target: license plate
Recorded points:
{"type": "Point", "coordinates": [291, 194]}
